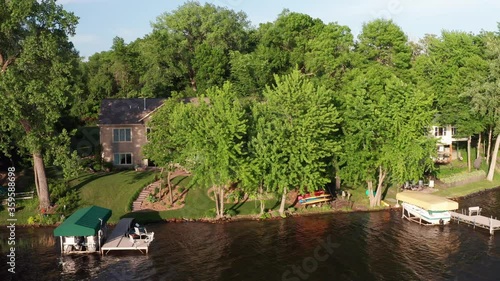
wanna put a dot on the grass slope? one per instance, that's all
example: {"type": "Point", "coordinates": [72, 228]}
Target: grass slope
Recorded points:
{"type": "Point", "coordinates": [111, 190]}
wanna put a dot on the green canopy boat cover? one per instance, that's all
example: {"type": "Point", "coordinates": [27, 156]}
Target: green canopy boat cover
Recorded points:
{"type": "Point", "coordinates": [84, 222]}
{"type": "Point", "coordinates": [427, 201]}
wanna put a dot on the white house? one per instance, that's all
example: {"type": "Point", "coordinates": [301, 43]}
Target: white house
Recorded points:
{"type": "Point", "coordinates": [445, 136]}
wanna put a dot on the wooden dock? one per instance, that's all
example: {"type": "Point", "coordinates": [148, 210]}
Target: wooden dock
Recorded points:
{"type": "Point", "coordinates": [476, 220]}
{"type": "Point", "coordinates": [120, 239]}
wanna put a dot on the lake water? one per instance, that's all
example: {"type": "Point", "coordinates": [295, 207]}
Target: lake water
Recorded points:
{"type": "Point", "coordinates": [356, 246]}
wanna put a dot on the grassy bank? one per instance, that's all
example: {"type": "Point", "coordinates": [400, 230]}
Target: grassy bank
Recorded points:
{"type": "Point", "coordinates": [468, 189]}
{"type": "Point", "coordinates": [115, 190]}
{"type": "Point", "coordinates": [111, 190]}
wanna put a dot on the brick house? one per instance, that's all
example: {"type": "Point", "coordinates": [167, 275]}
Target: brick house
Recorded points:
{"type": "Point", "coordinates": [123, 129]}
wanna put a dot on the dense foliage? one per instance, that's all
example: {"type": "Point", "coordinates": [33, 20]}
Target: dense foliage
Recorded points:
{"type": "Point", "coordinates": [291, 104]}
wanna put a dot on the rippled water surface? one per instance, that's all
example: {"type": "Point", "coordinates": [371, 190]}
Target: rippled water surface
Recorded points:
{"type": "Point", "coordinates": [357, 246]}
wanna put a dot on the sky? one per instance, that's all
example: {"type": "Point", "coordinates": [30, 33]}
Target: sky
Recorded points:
{"type": "Point", "coordinates": [102, 20]}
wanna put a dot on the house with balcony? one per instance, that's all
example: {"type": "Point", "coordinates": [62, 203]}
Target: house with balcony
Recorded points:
{"type": "Point", "coordinates": [123, 130]}
{"type": "Point", "coordinates": [446, 140]}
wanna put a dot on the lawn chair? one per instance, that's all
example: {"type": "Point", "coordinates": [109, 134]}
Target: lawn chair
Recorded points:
{"type": "Point", "coordinates": [140, 233]}
{"type": "Point", "coordinates": [149, 237]}
{"type": "Point", "coordinates": [132, 240]}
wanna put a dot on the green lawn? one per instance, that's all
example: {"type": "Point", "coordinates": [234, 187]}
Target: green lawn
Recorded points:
{"type": "Point", "coordinates": [467, 189]}
{"type": "Point", "coordinates": [111, 190]}
{"type": "Point", "coordinates": [198, 204]}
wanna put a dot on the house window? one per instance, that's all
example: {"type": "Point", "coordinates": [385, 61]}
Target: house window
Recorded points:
{"type": "Point", "coordinates": [122, 135]}
{"type": "Point", "coordinates": [122, 159]}
{"type": "Point", "coordinates": [453, 131]}
{"type": "Point", "coordinates": [439, 131]}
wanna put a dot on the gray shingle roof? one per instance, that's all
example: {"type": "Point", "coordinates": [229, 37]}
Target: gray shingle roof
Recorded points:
{"type": "Point", "coordinates": [126, 111]}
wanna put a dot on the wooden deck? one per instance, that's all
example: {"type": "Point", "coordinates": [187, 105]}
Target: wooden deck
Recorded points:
{"type": "Point", "coordinates": [119, 239]}
{"type": "Point", "coordinates": [490, 224]}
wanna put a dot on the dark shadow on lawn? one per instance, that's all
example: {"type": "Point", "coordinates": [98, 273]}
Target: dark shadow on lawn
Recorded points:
{"type": "Point", "coordinates": [91, 178]}
{"type": "Point", "coordinates": [238, 205]}
{"type": "Point", "coordinates": [140, 175]}
{"type": "Point", "coordinates": [144, 216]}
{"type": "Point", "coordinates": [179, 181]}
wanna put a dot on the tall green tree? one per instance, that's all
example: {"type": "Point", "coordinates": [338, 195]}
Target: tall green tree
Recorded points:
{"type": "Point", "coordinates": [201, 37]}
{"type": "Point", "coordinates": [293, 137]}
{"type": "Point", "coordinates": [484, 94]}
{"type": "Point", "coordinates": [385, 129]}
{"type": "Point", "coordinates": [36, 78]}
{"type": "Point", "coordinates": [167, 139]}
{"type": "Point", "coordinates": [384, 42]}
{"type": "Point", "coordinates": [451, 63]}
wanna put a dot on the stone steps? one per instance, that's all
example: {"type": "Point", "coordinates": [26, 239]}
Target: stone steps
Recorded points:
{"type": "Point", "coordinates": [137, 204]}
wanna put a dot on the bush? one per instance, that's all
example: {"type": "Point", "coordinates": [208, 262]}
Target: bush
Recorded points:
{"type": "Point", "coordinates": [463, 176]}
{"type": "Point", "coordinates": [107, 166]}
{"type": "Point", "coordinates": [68, 204]}
{"type": "Point", "coordinates": [32, 220]}
{"type": "Point", "coordinates": [156, 191]}
{"type": "Point", "coordinates": [57, 189]}
{"type": "Point", "coordinates": [265, 216]}
{"type": "Point", "coordinates": [292, 210]}
{"type": "Point", "coordinates": [182, 189]}
{"type": "Point", "coordinates": [151, 198]}
{"type": "Point", "coordinates": [97, 167]}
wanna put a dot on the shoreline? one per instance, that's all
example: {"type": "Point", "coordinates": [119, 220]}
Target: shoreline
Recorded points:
{"type": "Point", "coordinates": [240, 218]}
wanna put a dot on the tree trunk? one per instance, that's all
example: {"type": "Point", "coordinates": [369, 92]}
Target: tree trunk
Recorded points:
{"type": "Point", "coordinates": [216, 198]}
{"type": "Point", "coordinates": [43, 188]}
{"type": "Point", "coordinates": [469, 165]}
{"type": "Point", "coordinates": [381, 177]}
{"type": "Point", "coordinates": [337, 176]}
{"type": "Point", "coordinates": [283, 202]}
{"type": "Point", "coordinates": [479, 146]}
{"type": "Point", "coordinates": [262, 204]}
{"type": "Point", "coordinates": [169, 174]}
{"type": "Point", "coordinates": [370, 193]}
{"type": "Point", "coordinates": [36, 179]}
{"type": "Point", "coordinates": [493, 163]}
{"type": "Point", "coordinates": [221, 194]}
{"type": "Point", "coordinates": [490, 134]}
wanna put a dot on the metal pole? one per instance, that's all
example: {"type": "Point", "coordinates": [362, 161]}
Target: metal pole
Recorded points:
{"type": "Point", "coordinates": [491, 226]}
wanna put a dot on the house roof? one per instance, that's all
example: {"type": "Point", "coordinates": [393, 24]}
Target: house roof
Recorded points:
{"type": "Point", "coordinates": [427, 201]}
{"type": "Point", "coordinates": [83, 222]}
{"type": "Point", "coordinates": [127, 111]}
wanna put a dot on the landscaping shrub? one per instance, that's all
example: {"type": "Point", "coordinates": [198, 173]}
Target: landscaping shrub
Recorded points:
{"type": "Point", "coordinates": [463, 176]}
{"type": "Point", "coordinates": [68, 204]}
{"type": "Point", "coordinates": [108, 166]}
{"type": "Point", "coordinates": [57, 189]}
{"type": "Point", "coordinates": [265, 216]}
{"type": "Point", "coordinates": [151, 198]}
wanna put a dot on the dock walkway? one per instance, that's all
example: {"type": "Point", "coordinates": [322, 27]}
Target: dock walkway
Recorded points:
{"type": "Point", "coordinates": [490, 224]}
{"type": "Point", "coordinates": [120, 240]}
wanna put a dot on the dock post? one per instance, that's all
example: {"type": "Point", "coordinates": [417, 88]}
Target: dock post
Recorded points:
{"type": "Point", "coordinates": [474, 223]}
